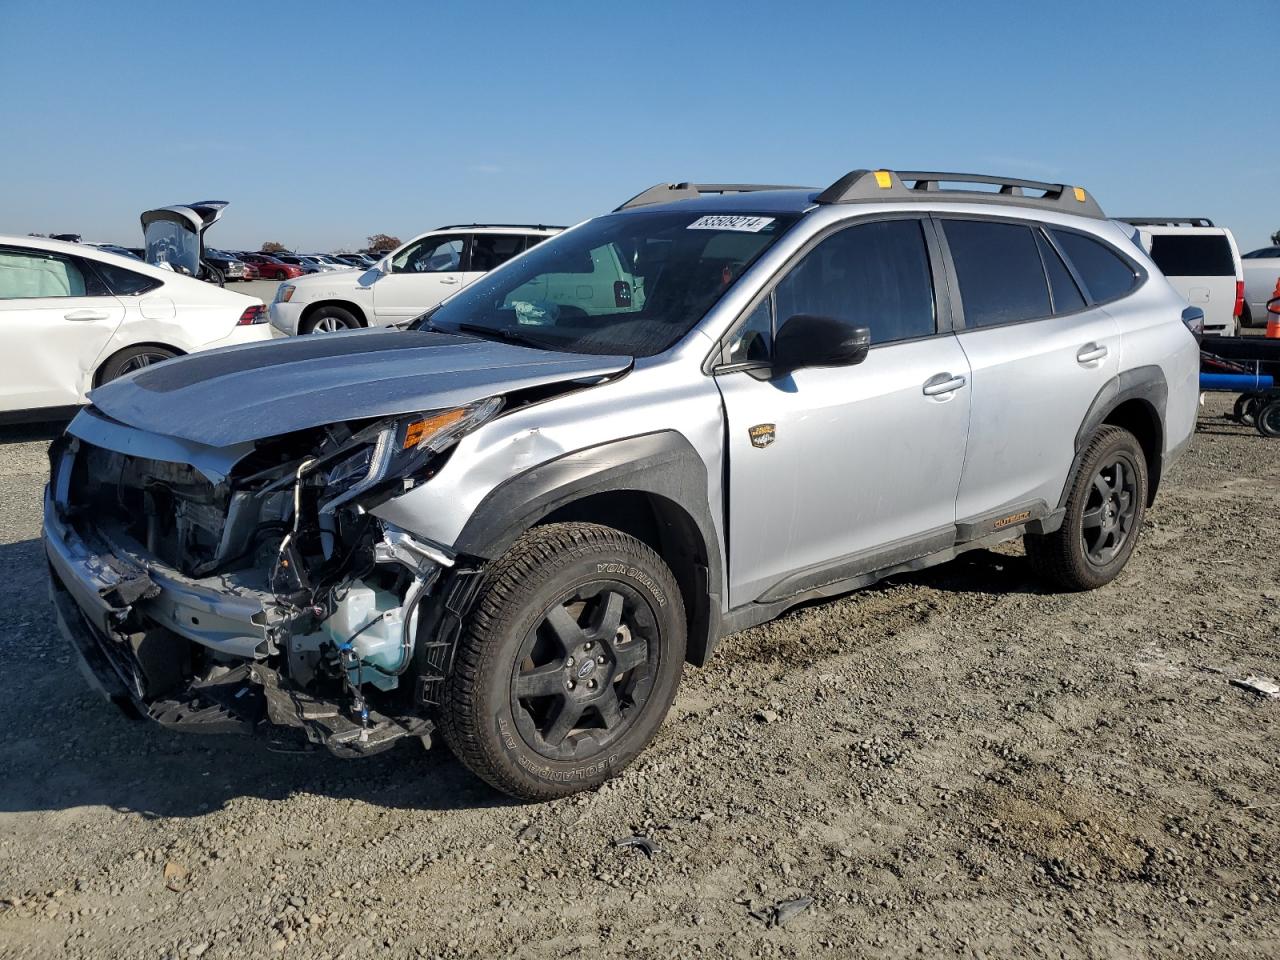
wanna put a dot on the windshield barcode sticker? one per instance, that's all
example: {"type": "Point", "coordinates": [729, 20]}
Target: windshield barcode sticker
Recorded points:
{"type": "Point", "coordinates": [744, 224]}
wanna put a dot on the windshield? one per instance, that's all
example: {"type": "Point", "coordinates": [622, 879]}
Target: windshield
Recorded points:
{"type": "Point", "coordinates": [629, 284]}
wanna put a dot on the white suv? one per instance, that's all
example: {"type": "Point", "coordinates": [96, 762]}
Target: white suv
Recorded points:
{"type": "Point", "coordinates": [1203, 264]}
{"type": "Point", "coordinates": [405, 283]}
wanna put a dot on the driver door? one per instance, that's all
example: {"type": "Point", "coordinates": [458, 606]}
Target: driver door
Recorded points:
{"type": "Point", "coordinates": [422, 274]}
{"type": "Point", "coordinates": [56, 318]}
{"type": "Point", "coordinates": [837, 471]}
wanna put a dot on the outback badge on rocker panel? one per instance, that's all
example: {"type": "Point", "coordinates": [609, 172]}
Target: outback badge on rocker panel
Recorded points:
{"type": "Point", "coordinates": [763, 434]}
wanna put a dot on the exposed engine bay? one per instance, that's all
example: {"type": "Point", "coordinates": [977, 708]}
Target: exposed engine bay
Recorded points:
{"type": "Point", "coordinates": [270, 591]}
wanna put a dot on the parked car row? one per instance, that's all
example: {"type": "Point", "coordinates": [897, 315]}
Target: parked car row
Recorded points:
{"type": "Point", "coordinates": [415, 277]}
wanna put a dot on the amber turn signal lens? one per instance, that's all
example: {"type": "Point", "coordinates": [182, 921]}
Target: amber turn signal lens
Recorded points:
{"type": "Point", "coordinates": [420, 430]}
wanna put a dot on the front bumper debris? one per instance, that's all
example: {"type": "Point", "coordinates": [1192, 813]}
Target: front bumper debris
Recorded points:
{"type": "Point", "coordinates": [133, 623]}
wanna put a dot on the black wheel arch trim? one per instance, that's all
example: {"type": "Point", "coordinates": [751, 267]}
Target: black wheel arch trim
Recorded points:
{"type": "Point", "coordinates": [661, 464]}
{"type": "Point", "coordinates": [1145, 383]}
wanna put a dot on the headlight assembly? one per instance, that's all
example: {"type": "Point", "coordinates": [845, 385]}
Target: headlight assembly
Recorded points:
{"type": "Point", "coordinates": [398, 448]}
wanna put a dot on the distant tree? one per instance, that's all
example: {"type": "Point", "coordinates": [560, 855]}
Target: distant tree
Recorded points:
{"type": "Point", "coordinates": [382, 241]}
{"type": "Point", "coordinates": [272, 247]}
{"type": "Point", "coordinates": [1275, 239]}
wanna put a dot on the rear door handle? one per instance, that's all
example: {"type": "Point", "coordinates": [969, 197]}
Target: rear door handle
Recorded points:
{"type": "Point", "coordinates": [1090, 352]}
{"type": "Point", "coordinates": [85, 315]}
{"type": "Point", "coordinates": [942, 383]}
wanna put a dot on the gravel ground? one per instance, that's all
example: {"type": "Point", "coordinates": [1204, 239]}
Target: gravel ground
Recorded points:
{"type": "Point", "coordinates": [952, 764]}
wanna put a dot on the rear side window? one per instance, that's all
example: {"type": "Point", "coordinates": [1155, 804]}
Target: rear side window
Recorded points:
{"type": "Point", "coordinates": [875, 275]}
{"type": "Point", "coordinates": [1066, 295]}
{"type": "Point", "coordinates": [1192, 255]}
{"type": "Point", "coordinates": [1105, 273]}
{"type": "Point", "coordinates": [999, 270]}
{"type": "Point", "coordinates": [490, 250]}
{"type": "Point", "coordinates": [124, 283]}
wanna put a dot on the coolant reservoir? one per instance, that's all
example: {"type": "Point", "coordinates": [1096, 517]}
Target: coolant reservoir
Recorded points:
{"type": "Point", "coordinates": [376, 641]}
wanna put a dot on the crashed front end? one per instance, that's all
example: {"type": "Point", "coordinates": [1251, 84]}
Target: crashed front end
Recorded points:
{"type": "Point", "coordinates": [245, 588]}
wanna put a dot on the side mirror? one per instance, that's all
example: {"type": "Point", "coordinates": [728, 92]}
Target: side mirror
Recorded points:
{"type": "Point", "coordinates": [806, 340]}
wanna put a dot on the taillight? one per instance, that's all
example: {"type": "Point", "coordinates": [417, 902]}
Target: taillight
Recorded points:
{"type": "Point", "coordinates": [1239, 299]}
{"type": "Point", "coordinates": [255, 314]}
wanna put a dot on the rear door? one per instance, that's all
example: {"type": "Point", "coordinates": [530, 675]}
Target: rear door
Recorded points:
{"type": "Point", "coordinates": [836, 471]}
{"type": "Point", "coordinates": [56, 317]}
{"type": "Point", "coordinates": [1201, 267]}
{"type": "Point", "coordinates": [1039, 355]}
{"type": "Point", "coordinates": [423, 273]}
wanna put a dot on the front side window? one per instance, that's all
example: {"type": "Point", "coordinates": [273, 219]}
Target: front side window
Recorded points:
{"type": "Point", "coordinates": [1105, 273]}
{"type": "Point", "coordinates": [998, 268]}
{"type": "Point", "coordinates": [873, 275]}
{"type": "Point", "coordinates": [490, 250]}
{"type": "Point", "coordinates": [28, 274]}
{"type": "Point", "coordinates": [752, 342]}
{"type": "Point", "coordinates": [631, 283]}
{"type": "Point", "coordinates": [430, 255]}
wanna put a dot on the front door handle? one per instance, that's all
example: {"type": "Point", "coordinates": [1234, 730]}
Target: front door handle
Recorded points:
{"type": "Point", "coordinates": [941, 384]}
{"type": "Point", "coordinates": [1090, 352]}
{"type": "Point", "coordinates": [86, 315]}
{"type": "Point", "coordinates": [448, 279]}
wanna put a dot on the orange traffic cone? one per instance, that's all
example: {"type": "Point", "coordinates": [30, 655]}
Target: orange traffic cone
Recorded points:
{"type": "Point", "coordinates": [1273, 313]}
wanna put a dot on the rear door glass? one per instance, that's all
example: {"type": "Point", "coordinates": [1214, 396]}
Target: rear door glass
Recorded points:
{"type": "Point", "coordinates": [1192, 255]}
{"type": "Point", "coordinates": [490, 250]}
{"type": "Point", "coordinates": [1066, 295]}
{"type": "Point", "coordinates": [999, 270]}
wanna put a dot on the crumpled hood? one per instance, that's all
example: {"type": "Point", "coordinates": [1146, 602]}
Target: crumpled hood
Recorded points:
{"type": "Point", "coordinates": [239, 394]}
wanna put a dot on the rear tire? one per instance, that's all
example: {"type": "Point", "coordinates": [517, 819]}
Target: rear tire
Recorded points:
{"type": "Point", "coordinates": [1105, 507]}
{"type": "Point", "coordinates": [132, 359]}
{"type": "Point", "coordinates": [1268, 418]}
{"type": "Point", "coordinates": [331, 320]}
{"type": "Point", "coordinates": [568, 663]}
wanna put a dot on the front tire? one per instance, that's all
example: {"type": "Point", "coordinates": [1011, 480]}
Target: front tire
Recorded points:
{"type": "Point", "coordinates": [1105, 507]}
{"type": "Point", "coordinates": [331, 320]}
{"type": "Point", "coordinates": [568, 663]}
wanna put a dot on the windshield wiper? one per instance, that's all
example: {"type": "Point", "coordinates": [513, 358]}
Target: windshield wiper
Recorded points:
{"type": "Point", "coordinates": [500, 333]}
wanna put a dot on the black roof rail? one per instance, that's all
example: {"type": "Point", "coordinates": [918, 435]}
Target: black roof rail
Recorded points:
{"type": "Point", "coordinates": [859, 186]}
{"type": "Point", "coordinates": [509, 226]}
{"type": "Point", "coordinates": [669, 192]}
{"type": "Point", "coordinates": [1167, 221]}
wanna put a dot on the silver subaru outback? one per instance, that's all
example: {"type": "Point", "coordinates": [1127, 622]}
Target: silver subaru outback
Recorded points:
{"type": "Point", "coordinates": [516, 521]}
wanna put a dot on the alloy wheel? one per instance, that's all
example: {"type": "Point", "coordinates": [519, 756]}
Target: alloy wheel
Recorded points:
{"type": "Point", "coordinates": [1107, 521]}
{"type": "Point", "coordinates": [141, 360]}
{"type": "Point", "coordinates": [585, 671]}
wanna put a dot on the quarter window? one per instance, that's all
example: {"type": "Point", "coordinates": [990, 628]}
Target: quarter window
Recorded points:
{"type": "Point", "coordinates": [124, 283]}
{"type": "Point", "coordinates": [874, 275]}
{"type": "Point", "coordinates": [753, 341]}
{"type": "Point", "coordinates": [27, 274]}
{"type": "Point", "coordinates": [1106, 274]}
{"type": "Point", "coordinates": [998, 268]}
{"type": "Point", "coordinates": [1066, 295]}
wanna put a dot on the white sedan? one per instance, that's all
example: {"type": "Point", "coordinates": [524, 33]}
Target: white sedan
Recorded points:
{"type": "Point", "coordinates": [73, 317]}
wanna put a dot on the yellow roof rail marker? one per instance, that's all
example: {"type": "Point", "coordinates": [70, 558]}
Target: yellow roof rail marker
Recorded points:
{"type": "Point", "coordinates": [1080, 195]}
{"type": "Point", "coordinates": [884, 179]}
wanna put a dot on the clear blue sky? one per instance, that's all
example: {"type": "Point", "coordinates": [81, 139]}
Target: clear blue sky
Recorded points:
{"type": "Point", "coordinates": [325, 122]}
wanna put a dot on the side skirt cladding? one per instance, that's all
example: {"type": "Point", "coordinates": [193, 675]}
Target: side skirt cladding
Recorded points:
{"type": "Point", "coordinates": [653, 486]}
